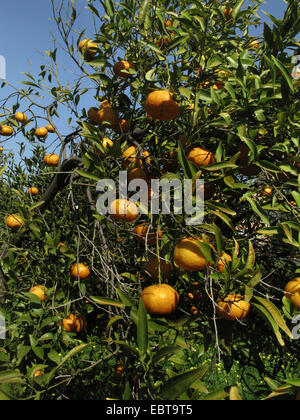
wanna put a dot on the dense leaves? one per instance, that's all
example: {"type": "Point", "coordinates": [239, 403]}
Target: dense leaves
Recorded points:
{"type": "Point", "coordinates": [238, 98]}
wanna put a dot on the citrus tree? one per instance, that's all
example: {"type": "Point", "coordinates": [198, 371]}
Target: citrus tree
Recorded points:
{"type": "Point", "coordinates": [136, 305]}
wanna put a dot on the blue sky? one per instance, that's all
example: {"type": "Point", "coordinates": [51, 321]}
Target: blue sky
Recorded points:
{"type": "Point", "coordinates": [26, 32]}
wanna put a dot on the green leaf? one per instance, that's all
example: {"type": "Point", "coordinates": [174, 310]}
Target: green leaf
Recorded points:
{"type": "Point", "coordinates": [87, 175]}
{"type": "Point", "coordinates": [220, 207]}
{"type": "Point", "coordinates": [143, 10]}
{"type": "Point", "coordinates": [149, 76]}
{"type": "Point", "coordinates": [259, 211]}
{"type": "Point", "coordinates": [11, 377]}
{"type": "Point", "coordinates": [225, 219]}
{"type": "Point", "coordinates": [293, 381]}
{"type": "Point", "coordinates": [272, 383]}
{"type": "Point", "coordinates": [219, 166]}
{"type": "Point", "coordinates": [126, 300]}
{"type": "Point", "coordinates": [216, 395]}
{"type": "Point", "coordinates": [275, 313]}
{"type": "Point", "coordinates": [54, 356]}
{"type": "Point", "coordinates": [251, 257]}
{"type": "Point", "coordinates": [49, 376]}
{"type": "Point", "coordinates": [127, 348]}
{"type": "Point", "coordinates": [206, 250]}
{"type": "Point", "coordinates": [268, 35]}
{"type": "Point", "coordinates": [284, 73]}
{"type": "Point", "coordinates": [268, 166]}
{"type": "Point", "coordinates": [187, 167]}
{"type": "Point", "coordinates": [2, 170]}
{"type": "Point", "coordinates": [234, 394]}
{"type": "Point", "coordinates": [109, 8]}
{"type": "Point", "coordinates": [142, 328]}
{"type": "Point", "coordinates": [279, 392]}
{"type": "Point", "coordinates": [164, 352]}
{"type": "Point", "coordinates": [107, 301]}
{"type": "Point", "coordinates": [219, 239]}
{"type": "Point", "coordinates": [179, 384]}
{"type": "Point", "coordinates": [237, 8]}
{"type": "Point", "coordinates": [112, 321]}
{"type": "Point", "coordinates": [266, 314]}
{"type": "Point", "coordinates": [126, 396]}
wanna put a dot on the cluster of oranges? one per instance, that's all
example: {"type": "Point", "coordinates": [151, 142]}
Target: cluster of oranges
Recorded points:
{"type": "Point", "coordinates": [15, 221]}
{"type": "Point", "coordinates": [40, 132]}
{"type": "Point", "coordinates": [72, 322]}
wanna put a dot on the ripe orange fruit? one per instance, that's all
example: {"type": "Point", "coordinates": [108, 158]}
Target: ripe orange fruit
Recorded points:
{"type": "Point", "coordinates": [105, 142]}
{"type": "Point", "coordinates": [80, 270]}
{"type": "Point", "coordinates": [107, 114]}
{"type": "Point", "coordinates": [40, 292]}
{"type": "Point", "coordinates": [163, 41]}
{"type": "Point", "coordinates": [160, 299]}
{"type": "Point", "coordinates": [121, 65]}
{"type": "Point", "coordinates": [33, 191]}
{"type": "Point", "coordinates": [143, 233]}
{"type": "Point", "coordinates": [122, 126]}
{"type": "Point", "coordinates": [194, 310]}
{"type": "Point", "coordinates": [160, 105]}
{"type": "Point", "coordinates": [51, 160]}
{"type": "Point", "coordinates": [6, 130]}
{"type": "Point", "coordinates": [151, 268]}
{"type": "Point", "coordinates": [254, 44]}
{"type": "Point", "coordinates": [93, 116]}
{"type": "Point", "coordinates": [222, 262]}
{"type": "Point", "coordinates": [39, 373]}
{"type": "Point", "coordinates": [120, 369]}
{"type": "Point", "coordinates": [50, 128]}
{"type": "Point", "coordinates": [292, 291]}
{"type": "Point", "coordinates": [227, 12]}
{"type": "Point", "coordinates": [233, 307]}
{"type": "Point", "coordinates": [187, 255]}
{"type": "Point", "coordinates": [221, 73]}
{"type": "Point", "coordinates": [41, 132]}
{"type": "Point", "coordinates": [106, 104]}
{"type": "Point", "coordinates": [14, 221]}
{"type": "Point", "coordinates": [131, 157]}
{"type": "Point", "coordinates": [21, 117]}
{"type": "Point", "coordinates": [201, 157]}
{"type": "Point", "coordinates": [125, 210]}
{"type": "Point", "coordinates": [218, 85]}
{"type": "Point", "coordinates": [204, 85]}
{"type": "Point", "coordinates": [137, 173]}
{"type": "Point", "coordinates": [1, 149]}
{"type": "Point", "coordinates": [88, 47]}
{"type": "Point", "coordinates": [267, 191]}
{"type": "Point", "coordinates": [73, 323]}
{"type": "Point", "coordinates": [61, 244]}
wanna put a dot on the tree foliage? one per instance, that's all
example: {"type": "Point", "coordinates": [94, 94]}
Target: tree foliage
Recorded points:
{"type": "Point", "coordinates": [236, 99]}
